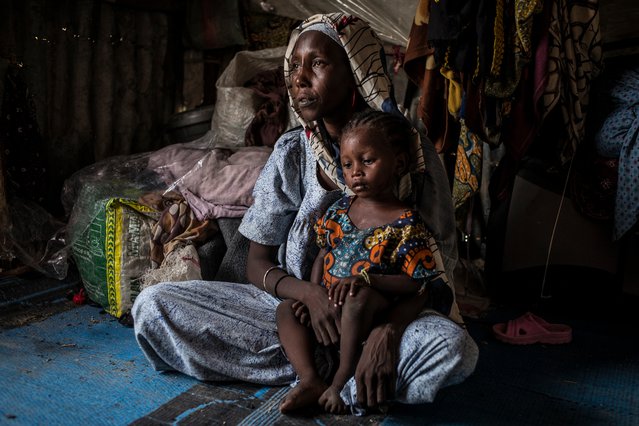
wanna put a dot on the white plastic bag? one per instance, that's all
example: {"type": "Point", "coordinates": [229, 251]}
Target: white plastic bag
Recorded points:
{"type": "Point", "coordinates": [235, 105]}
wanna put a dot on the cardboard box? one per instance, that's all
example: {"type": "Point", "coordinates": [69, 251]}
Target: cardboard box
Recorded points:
{"type": "Point", "coordinates": [578, 240]}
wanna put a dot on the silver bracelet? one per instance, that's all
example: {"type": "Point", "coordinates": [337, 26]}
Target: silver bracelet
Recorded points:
{"type": "Point", "coordinates": [266, 274]}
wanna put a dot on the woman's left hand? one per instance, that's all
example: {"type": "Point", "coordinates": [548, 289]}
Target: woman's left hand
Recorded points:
{"type": "Point", "coordinates": [376, 372]}
{"type": "Point", "coordinates": [324, 316]}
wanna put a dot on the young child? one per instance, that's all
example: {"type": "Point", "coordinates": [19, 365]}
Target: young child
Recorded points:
{"type": "Point", "coordinates": [374, 249]}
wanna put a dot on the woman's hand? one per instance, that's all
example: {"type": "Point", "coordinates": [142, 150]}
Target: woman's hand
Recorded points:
{"type": "Point", "coordinates": [345, 287]}
{"type": "Point", "coordinates": [376, 372]}
{"type": "Point", "coordinates": [324, 316]}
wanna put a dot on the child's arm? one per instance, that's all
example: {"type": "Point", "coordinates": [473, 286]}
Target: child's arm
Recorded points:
{"type": "Point", "coordinates": [318, 267]}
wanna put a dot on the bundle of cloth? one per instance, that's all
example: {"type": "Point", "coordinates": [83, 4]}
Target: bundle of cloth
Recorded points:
{"type": "Point", "coordinates": [205, 184]}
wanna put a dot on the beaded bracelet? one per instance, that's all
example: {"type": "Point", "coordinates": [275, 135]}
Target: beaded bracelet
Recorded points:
{"type": "Point", "coordinates": [367, 278]}
{"type": "Point", "coordinates": [266, 275]}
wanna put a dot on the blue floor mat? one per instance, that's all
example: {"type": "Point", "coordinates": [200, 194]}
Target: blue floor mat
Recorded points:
{"type": "Point", "coordinates": [79, 367]}
{"type": "Point", "coordinates": [82, 367]}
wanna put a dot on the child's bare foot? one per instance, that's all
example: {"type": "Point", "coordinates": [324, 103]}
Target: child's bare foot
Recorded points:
{"type": "Point", "coordinates": [304, 395]}
{"type": "Point", "coordinates": [332, 402]}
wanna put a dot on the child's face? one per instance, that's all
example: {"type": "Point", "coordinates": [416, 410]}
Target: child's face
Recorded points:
{"type": "Point", "coordinates": [371, 166]}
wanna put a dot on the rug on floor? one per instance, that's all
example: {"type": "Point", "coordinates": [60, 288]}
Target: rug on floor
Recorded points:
{"type": "Point", "coordinates": [82, 367]}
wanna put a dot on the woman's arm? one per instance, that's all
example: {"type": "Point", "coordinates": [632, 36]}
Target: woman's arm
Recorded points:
{"type": "Point", "coordinates": [376, 371]}
{"type": "Point", "coordinates": [324, 316]}
{"type": "Point", "coordinates": [300, 310]}
{"type": "Point", "coordinates": [260, 259]}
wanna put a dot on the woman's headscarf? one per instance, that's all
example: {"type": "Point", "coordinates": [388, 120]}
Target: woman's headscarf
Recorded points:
{"type": "Point", "coordinates": [368, 64]}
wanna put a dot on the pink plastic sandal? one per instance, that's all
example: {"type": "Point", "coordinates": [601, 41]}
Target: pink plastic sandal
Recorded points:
{"type": "Point", "coordinates": [529, 329]}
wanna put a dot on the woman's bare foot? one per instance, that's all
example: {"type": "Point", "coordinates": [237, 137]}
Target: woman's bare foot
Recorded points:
{"type": "Point", "coordinates": [304, 395]}
{"type": "Point", "coordinates": [332, 402]}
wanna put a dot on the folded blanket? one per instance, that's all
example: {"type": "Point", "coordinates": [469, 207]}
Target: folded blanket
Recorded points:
{"type": "Point", "coordinates": [215, 182]}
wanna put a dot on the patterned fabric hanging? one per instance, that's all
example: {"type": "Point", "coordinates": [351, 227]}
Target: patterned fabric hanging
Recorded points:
{"type": "Point", "coordinates": [574, 59]}
{"type": "Point", "coordinates": [467, 166]}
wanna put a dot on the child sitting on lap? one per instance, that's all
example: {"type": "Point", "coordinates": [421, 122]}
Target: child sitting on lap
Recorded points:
{"type": "Point", "coordinates": [375, 249]}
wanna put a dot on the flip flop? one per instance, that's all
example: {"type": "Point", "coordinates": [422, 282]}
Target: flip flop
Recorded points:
{"type": "Point", "coordinates": [529, 329]}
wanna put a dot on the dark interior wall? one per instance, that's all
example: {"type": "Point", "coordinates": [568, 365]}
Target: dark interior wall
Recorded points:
{"type": "Point", "coordinates": [93, 79]}
{"type": "Point", "coordinates": [619, 28]}
{"type": "Point", "coordinates": [107, 77]}
{"type": "Point", "coordinates": [103, 78]}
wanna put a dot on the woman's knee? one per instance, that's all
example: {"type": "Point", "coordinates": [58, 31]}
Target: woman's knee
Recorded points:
{"type": "Point", "coordinates": [443, 335]}
{"type": "Point", "coordinates": [435, 353]}
{"type": "Point", "coordinates": [354, 306]}
{"type": "Point", "coordinates": [457, 351]}
{"type": "Point", "coordinates": [147, 302]}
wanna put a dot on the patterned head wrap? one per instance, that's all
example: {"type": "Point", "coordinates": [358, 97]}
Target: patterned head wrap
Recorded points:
{"type": "Point", "coordinates": [366, 56]}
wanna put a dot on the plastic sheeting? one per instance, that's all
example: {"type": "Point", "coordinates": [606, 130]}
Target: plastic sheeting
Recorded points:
{"type": "Point", "coordinates": [234, 108]}
{"type": "Point", "coordinates": [391, 20]}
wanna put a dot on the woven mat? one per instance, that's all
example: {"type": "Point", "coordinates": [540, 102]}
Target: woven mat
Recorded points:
{"type": "Point", "coordinates": [239, 404]}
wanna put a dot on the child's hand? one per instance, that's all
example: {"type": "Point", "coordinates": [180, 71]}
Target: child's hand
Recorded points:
{"type": "Point", "coordinates": [301, 313]}
{"type": "Point", "coordinates": [345, 287]}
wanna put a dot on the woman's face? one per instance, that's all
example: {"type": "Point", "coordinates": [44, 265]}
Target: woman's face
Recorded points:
{"type": "Point", "coordinates": [322, 84]}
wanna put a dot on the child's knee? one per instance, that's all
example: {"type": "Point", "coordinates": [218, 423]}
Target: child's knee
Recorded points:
{"type": "Point", "coordinates": [354, 305]}
{"type": "Point", "coordinates": [284, 309]}
{"type": "Point", "coordinates": [365, 300]}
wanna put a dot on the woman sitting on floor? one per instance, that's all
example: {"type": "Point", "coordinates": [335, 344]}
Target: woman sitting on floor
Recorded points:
{"type": "Point", "coordinates": [222, 331]}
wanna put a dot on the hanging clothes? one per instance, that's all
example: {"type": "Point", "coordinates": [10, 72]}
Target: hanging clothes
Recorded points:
{"type": "Point", "coordinates": [468, 166]}
{"type": "Point", "coordinates": [449, 46]}
{"type": "Point", "coordinates": [574, 59]}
